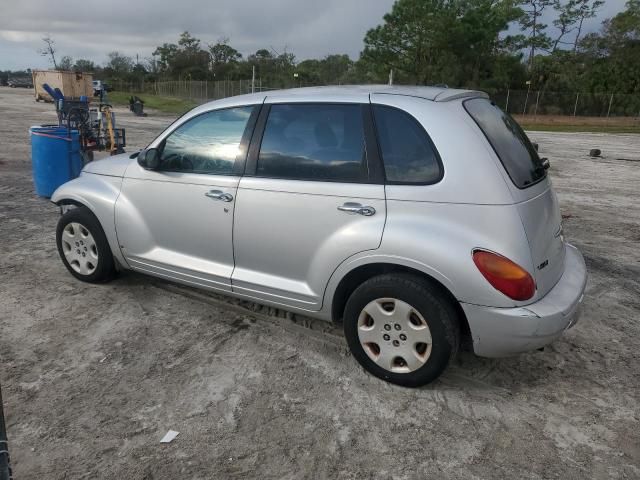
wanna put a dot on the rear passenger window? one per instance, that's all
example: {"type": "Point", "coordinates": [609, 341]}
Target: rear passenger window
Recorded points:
{"type": "Point", "coordinates": [314, 142]}
{"type": "Point", "coordinates": [407, 152]}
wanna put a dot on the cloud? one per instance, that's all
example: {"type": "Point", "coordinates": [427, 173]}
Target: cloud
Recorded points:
{"type": "Point", "coordinates": [91, 29]}
{"type": "Point", "coordinates": [84, 29]}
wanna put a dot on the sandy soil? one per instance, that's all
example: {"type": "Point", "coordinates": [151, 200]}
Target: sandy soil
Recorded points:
{"type": "Point", "coordinates": [94, 376]}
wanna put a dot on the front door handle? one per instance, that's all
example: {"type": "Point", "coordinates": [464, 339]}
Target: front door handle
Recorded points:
{"type": "Point", "coordinates": [352, 207]}
{"type": "Point", "coordinates": [219, 195]}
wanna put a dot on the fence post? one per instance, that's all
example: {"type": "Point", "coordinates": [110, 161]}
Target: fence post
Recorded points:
{"type": "Point", "coordinates": [506, 107]}
{"type": "Point", "coordinates": [609, 109]}
{"type": "Point", "coordinates": [575, 108]}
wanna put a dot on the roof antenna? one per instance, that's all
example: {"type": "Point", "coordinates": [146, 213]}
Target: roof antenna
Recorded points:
{"type": "Point", "coordinates": [391, 77]}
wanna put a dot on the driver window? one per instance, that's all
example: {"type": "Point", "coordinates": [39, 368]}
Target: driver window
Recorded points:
{"type": "Point", "coordinates": [208, 143]}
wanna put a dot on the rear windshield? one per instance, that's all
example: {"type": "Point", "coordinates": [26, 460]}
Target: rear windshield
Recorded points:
{"type": "Point", "coordinates": [509, 141]}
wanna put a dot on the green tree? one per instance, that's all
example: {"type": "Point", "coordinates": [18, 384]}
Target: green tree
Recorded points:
{"type": "Point", "coordinates": [187, 60]}
{"type": "Point", "coordinates": [331, 70]}
{"type": "Point", "coordinates": [119, 66]}
{"type": "Point", "coordinates": [66, 63]}
{"type": "Point", "coordinates": [530, 21]}
{"type": "Point", "coordinates": [165, 55]}
{"type": "Point", "coordinates": [83, 65]}
{"type": "Point", "coordinates": [224, 59]}
{"type": "Point", "coordinates": [223, 53]}
{"type": "Point", "coordinates": [439, 41]}
{"type": "Point", "coordinates": [612, 56]}
{"type": "Point", "coordinates": [188, 43]}
{"type": "Point", "coordinates": [571, 17]}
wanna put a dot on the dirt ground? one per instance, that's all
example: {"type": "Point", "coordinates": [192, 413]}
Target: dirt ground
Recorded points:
{"type": "Point", "coordinates": [94, 375]}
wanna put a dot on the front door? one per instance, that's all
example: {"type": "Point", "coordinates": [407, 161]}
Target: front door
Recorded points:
{"type": "Point", "coordinates": [176, 222]}
{"type": "Point", "coordinates": [309, 200]}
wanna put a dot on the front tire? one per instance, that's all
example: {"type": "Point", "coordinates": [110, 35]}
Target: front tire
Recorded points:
{"type": "Point", "coordinates": [402, 329]}
{"type": "Point", "coordinates": [83, 246]}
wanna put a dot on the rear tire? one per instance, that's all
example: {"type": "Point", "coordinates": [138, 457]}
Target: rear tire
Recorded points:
{"type": "Point", "coordinates": [402, 329]}
{"type": "Point", "coordinates": [83, 246]}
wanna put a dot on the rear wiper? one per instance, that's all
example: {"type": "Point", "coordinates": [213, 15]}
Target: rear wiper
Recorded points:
{"type": "Point", "coordinates": [545, 163]}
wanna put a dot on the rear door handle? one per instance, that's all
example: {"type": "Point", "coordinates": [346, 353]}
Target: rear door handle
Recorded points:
{"type": "Point", "coordinates": [352, 207]}
{"type": "Point", "coordinates": [219, 195]}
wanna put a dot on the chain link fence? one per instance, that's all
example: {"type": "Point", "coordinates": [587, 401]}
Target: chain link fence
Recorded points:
{"type": "Point", "coordinates": [518, 102]}
{"type": "Point", "coordinates": [576, 104]}
{"type": "Point", "coordinates": [199, 91]}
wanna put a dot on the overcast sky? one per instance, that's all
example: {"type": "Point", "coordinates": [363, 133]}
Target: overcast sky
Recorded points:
{"type": "Point", "coordinates": [91, 29]}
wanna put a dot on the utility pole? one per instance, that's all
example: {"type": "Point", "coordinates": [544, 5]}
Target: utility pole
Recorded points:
{"type": "Point", "coordinates": [391, 77]}
{"type": "Point", "coordinates": [526, 100]}
{"type": "Point", "coordinates": [253, 79]}
{"type": "Point", "coordinates": [5, 468]}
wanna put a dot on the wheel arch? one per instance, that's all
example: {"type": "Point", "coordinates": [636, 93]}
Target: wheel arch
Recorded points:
{"type": "Point", "coordinates": [99, 194]}
{"type": "Point", "coordinates": [363, 272]}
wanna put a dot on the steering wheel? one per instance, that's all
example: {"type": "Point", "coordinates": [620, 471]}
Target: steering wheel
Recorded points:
{"type": "Point", "coordinates": [177, 161]}
{"type": "Point", "coordinates": [210, 165]}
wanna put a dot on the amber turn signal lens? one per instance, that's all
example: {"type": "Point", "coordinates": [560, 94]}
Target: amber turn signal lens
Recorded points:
{"type": "Point", "coordinates": [504, 275]}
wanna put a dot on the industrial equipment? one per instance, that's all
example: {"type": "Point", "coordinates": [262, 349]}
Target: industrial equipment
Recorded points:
{"type": "Point", "coordinates": [96, 126]}
{"type": "Point", "coordinates": [136, 105]}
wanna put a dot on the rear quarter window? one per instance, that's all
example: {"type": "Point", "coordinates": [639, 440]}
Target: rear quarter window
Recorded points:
{"type": "Point", "coordinates": [408, 154]}
{"type": "Point", "coordinates": [518, 156]}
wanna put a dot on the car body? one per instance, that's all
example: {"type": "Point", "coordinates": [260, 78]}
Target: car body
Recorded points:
{"type": "Point", "coordinates": [302, 232]}
{"type": "Point", "coordinates": [20, 83]}
{"type": "Point", "coordinates": [99, 86]}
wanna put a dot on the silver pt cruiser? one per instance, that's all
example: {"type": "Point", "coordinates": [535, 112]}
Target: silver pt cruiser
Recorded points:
{"type": "Point", "coordinates": [414, 216]}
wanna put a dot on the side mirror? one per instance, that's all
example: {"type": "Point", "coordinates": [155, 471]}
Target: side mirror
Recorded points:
{"type": "Point", "coordinates": [149, 159]}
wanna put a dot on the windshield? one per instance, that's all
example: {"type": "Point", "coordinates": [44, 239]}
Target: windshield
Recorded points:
{"type": "Point", "coordinates": [511, 144]}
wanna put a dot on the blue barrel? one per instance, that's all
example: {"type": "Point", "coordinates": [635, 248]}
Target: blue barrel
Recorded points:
{"type": "Point", "coordinates": [55, 157]}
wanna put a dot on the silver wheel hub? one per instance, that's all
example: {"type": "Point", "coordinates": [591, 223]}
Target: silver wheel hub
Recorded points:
{"type": "Point", "coordinates": [394, 335]}
{"type": "Point", "coordinates": [79, 248]}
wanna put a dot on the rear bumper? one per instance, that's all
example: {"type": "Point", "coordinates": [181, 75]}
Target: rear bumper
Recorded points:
{"type": "Point", "coordinates": [499, 332]}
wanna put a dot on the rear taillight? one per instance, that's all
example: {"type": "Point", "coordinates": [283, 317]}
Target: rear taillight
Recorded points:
{"type": "Point", "coordinates": [505, 275]}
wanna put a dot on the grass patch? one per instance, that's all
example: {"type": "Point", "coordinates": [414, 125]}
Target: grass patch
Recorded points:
{"type": "Point", "coordinates": [542, 127]}
{"type": "Point", "coordinates": [566, 123]}
{"type": "Point", "coordinates": [162, 104]}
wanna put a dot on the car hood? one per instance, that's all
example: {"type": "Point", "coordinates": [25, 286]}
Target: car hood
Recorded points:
{"type": "Point", "coordinates": [113, 166]}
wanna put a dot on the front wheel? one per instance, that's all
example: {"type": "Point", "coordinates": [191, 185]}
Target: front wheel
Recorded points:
{"type": "Point", "coordinates": [83, 246]}
{"type": "Point", "coordinates": [402, 329]}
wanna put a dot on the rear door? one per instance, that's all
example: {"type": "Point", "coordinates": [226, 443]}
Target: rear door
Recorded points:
{"type": "Point", "coordinates": [312, 196]}
{"type": "Point", "coordinates": [531, 188]}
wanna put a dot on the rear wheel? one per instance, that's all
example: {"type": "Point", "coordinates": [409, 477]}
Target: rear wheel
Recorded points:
{"type": "Point", "coordinates": [402, 329]}
{"type": "Point", "coordinates": [83, 246]}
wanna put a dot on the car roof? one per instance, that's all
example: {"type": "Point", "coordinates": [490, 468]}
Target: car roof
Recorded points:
{"type": "Point", "coordinates": [435, 94]}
